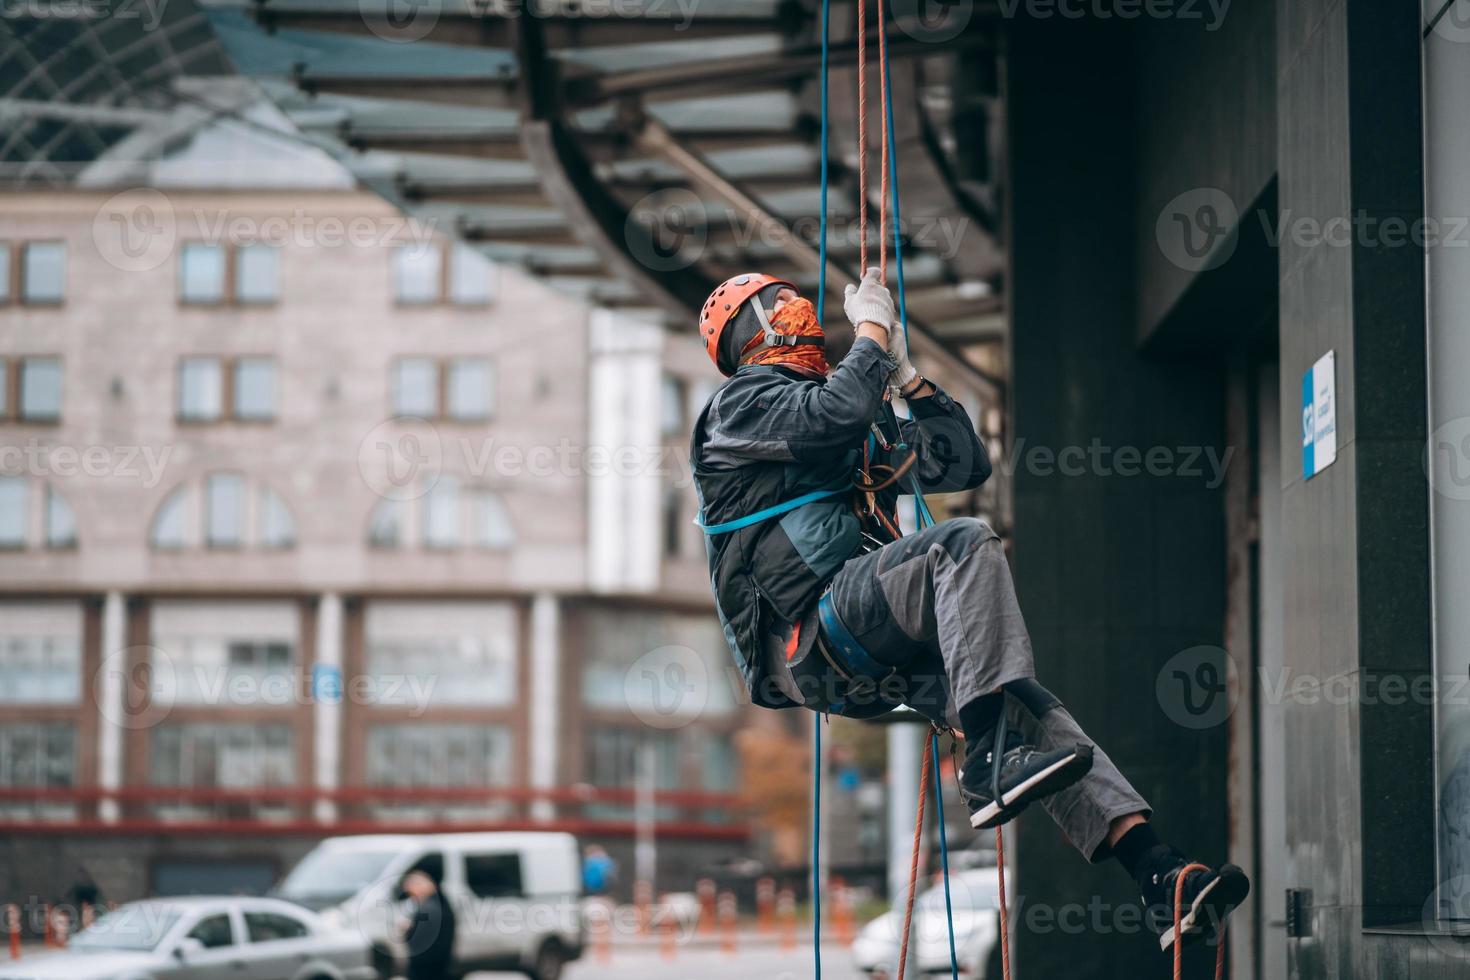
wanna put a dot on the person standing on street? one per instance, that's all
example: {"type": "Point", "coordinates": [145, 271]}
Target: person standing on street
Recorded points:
{"type": "Point", "coordinates": [429, 933]}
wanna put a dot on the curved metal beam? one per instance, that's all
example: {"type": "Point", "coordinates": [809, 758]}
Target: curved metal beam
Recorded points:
{"type": "Point", "coordinates": [654, 138]}
{"type": "Point", "coordinates": [568, 179]}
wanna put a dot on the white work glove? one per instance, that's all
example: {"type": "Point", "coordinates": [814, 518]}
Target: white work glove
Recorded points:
{"type": "Point", "coordinates": [898, 352]}
{"type": "Point", "coordinates": [869, 302]}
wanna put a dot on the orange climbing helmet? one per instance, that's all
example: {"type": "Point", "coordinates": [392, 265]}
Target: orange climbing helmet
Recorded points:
{"type": "Point", "coordinates": [726, 301]}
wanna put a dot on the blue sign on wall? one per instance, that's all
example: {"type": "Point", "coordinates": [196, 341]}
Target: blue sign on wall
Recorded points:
{"type": "Point", "coordinates": [326, 683]}
{"type": "Point", "coordinates": [1319, 416]}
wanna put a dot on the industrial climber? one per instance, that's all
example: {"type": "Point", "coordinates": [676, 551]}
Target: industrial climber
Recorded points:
{"type": "Point", "coordinates": [827, 606]}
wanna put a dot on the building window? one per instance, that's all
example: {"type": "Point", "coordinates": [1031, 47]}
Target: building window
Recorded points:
{"type": "Point", "coordinates": [202, 273]}
{"type": "Point", "coordinates": [40, 389]}
{"type": "Point", "coordinates": [38, 754]}
{"type": "Point", "coordinates": [493, 525]}
{"type": "Point", "coordinates": [209, 667]}
{"type": "Point", "coordinates": [247, 385]}
{"type": "Point", "coordinates": [461, 389]}
{"type": "Point", "coordinates": [201, 389]}
{"type": "Point", "coordinates": [417, 274]}
{"type": "Point", "coordinates": [459, 653]}
{"type": "Point", "coordinates": [168, 523]}
{"type": "Point", "coordinates": [471, 280]}
{"type": "Point", "coordinates": [61, 523]}
{"type": "Point", "coordinates": [224, 756]}
{"type": "Point", "coordinates": [719, 769]}
{"type": "Point", "coordinates": [650, 646]}
{"type": "Point", "coordinates": [255, 389]}
{"type": "Point", "coordinates": [220, 506]}
{"type": "Point", "coordinates": [385, 524]}
{"type": "Point", "coordinates": [224, 508]}
{"type": "Point", "coordinates": [218, 275]}
{"type": "Point", "coordinates": [43, 273]}
{"type": "Point", "coordinates": [469, 389]}
{"type": "Point", "coordinates": [416, 387]}
{"type": "Point", "coordinates": [439, 755]}
{"type": "Point", "coordinates": [612, 757]}
{"type": "Point", "coordinates": [226, 654]}
{"type": "Point", "coordinates": [257, 274]}
{"type": "Point", "coordinates": [277, 526]}
{"type": "Point", "coordinates": [429, 273]}
{"type": "Point", "coordinates": [615, 758]}
{"type": "Point", "coordinates": [41, 654]}
{"type": "Point", "coordinates": [14, 512]}
{"type": "Point", "coordinates": [441, 514]}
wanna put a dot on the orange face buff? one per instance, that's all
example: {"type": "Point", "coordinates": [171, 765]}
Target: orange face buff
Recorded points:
{"type": "Point", "coordinates": [798, 318]}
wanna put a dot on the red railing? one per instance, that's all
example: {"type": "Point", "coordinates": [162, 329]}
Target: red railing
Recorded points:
{"type": "Point", "coordinates": [364, 809]}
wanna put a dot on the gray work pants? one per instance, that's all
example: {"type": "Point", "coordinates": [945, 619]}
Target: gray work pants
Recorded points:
{"type": "Point", "coordinates": [939, 607]}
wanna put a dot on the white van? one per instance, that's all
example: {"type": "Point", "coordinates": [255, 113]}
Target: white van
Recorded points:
{"type": "Point", "coordinates": [516, 896]}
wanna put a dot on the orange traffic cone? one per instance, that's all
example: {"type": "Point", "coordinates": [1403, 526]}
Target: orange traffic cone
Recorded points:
{"type": "Point", "coordinates": [786, 917]}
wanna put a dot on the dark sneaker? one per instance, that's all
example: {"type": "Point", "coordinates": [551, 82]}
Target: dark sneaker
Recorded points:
{"type": "Point", "coordinates": [1026, 774]}
{"type": "Point", "coordinates": [1209, 898]}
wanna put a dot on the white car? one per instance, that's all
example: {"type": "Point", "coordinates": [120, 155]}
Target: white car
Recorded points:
{"type": "Point", "coordinates": [975, 898]}
{"type": "Point", "coordinates": [516, 897]}
{"type": "Point", "coordinates": [203, 939]}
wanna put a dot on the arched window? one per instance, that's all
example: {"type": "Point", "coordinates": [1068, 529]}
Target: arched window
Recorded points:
{"type": "Point", "coordinates": [441, 514]}
{"type": "Point", "coordinates": [449, 516]}
{"type": "Point", "coordinates": [215, 511]}
{"type": "Point", "coordinates": [168, 522]}
{"type": "Point", "coordinates": [277, 528]}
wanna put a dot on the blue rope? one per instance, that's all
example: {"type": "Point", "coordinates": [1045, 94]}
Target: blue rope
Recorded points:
{"type": "Point", "coordinates": [822, 231]}
{"type": "Point", "coordinates": [817, 845]}
{"type": "Point", "coordinates": [954, 960]}
{"type": "Point", "coordinates": [817, 727]}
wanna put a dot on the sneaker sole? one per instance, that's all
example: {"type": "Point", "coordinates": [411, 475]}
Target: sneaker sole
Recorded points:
{"type": "Point", "coordinates": [1053, 779]}
{"type": "Point", "coordinates": [1220, 897]}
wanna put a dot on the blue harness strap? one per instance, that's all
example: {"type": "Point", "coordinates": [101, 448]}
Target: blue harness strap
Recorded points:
{"type": "Point", "coordinates": [843, 643]}
{"type": "Point", "coordinates": [766, 513]}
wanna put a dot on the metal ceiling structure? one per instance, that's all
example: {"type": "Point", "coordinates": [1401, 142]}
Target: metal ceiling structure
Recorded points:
{"type": "Point", "coordinates": [634, 152]}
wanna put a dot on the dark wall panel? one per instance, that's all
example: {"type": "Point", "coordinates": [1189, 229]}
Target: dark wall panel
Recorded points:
{"type": "Point", "coordinates": [1117, 574]}
{"type": "Point", "coordinates": [1206, 118]}
{"type": "Point", "coordinates": [1359, 772]}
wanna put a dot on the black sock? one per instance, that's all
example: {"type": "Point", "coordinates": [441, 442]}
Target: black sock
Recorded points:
{"type": "Point", "coordinates": [978, 717]}
{"type": "Point", "coordinates": [1134, 848]}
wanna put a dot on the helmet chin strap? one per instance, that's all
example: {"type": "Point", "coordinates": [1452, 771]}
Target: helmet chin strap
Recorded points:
{"type": "Point", "coordinates": [769, 336]}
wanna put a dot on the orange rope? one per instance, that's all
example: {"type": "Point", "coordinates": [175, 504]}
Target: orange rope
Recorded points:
{"type": "Point", "coordinates": [883, 113]}
{"type": "Point", "coordinates": [1005, 925]}
{"type": "Point", "coordinates": [1179, 938]}
{"type": "Point", "coordinates": [908, 909]}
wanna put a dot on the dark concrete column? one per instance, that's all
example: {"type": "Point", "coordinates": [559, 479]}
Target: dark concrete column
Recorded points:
{"type": "Point", "coordinates": [1117, 574]}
